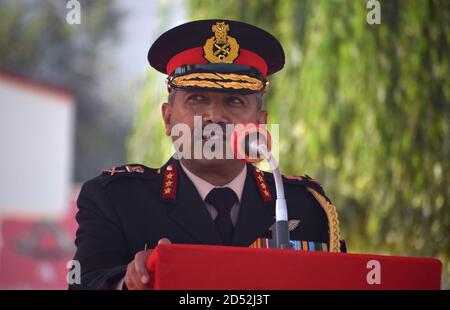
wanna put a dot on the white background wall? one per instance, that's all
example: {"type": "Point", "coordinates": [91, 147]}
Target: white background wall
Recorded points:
{"type": "Point", "coordinates": [36, 134]}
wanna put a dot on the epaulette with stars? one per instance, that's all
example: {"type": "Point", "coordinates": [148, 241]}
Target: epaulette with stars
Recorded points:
{"type": "Point", "coordinates": [131, 170]}
{"type": "Point", "coordinates": [307, 181]}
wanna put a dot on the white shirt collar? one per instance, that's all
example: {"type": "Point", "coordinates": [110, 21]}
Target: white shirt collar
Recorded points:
{"type": "Point", "coordinates": [204, 187]}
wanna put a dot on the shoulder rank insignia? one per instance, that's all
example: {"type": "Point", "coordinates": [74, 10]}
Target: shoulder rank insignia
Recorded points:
{"type": "Point", "coordinates": [300, 178]}
{"type": "Point", "coordinates": [169, 182]}
{"type": "Point", "coordinates": [312, 179]}
{"type": "Point", "coordinates": [262, 185]}
{"type": "Point", "coordinates": [127, 168]}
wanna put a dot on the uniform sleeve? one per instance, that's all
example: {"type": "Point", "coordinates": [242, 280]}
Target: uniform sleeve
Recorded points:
{"type": "Point", "coordinates": [101, 246]}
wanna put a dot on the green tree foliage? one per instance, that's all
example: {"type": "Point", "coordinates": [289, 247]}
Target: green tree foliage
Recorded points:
{"type": "Point", "coordinates": [147, 142]}
{"type": "Point", "coordinates": [365, 109]}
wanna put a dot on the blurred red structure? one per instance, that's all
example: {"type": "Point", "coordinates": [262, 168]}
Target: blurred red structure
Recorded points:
{"type": "Point", "coordinates": [34, 252]}
{"type": "Point", "coordinates": [37, 203]}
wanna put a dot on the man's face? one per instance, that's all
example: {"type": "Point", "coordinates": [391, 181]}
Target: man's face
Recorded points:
{"type": "Point", "coordinates": [213, 107]}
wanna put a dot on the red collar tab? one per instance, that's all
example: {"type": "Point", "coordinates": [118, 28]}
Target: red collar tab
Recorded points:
{"type": "Point", "coordinates": [169, 182]}
{"type": "Point", "coordinates": [262, 185]}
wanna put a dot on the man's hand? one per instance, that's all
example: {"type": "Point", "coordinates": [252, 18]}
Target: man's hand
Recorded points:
{"type": "Point", "coordinates": [137, 276]}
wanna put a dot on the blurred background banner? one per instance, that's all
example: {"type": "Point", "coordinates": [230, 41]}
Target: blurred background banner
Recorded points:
{"type": "Point", "coordinates": [363, 105]}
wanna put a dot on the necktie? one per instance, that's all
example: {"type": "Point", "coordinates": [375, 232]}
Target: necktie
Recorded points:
{"type": "Point", "coordinates": [223, 199]}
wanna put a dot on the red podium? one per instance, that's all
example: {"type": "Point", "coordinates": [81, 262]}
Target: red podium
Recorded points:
{"type": "Point", "coordinates": [197, 267]}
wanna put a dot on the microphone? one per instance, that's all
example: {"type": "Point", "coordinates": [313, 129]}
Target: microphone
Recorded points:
{"type": "Point", "coordinates": [253, 143]}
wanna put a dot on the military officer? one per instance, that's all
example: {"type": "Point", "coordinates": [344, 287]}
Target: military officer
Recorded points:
{"type": "Point", "coordinates": [216, 70]}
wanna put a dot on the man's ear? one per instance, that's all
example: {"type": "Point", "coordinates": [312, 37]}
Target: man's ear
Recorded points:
{"type": "Point", "coordinates": [262, 117]}
{"type": "Point", "coordinates": [166, 111]}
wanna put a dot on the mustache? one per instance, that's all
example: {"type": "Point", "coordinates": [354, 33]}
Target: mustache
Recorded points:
{"type": "Point", "coordinates": [212, 129]}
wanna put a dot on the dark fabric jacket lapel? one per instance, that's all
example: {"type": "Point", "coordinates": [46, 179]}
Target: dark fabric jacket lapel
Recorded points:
{"type": "Point", "coordinates": [255, 215]}
{"type": "Point", "coordinates": [190, 212]}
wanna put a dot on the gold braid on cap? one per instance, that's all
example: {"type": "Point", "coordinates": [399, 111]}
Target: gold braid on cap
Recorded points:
{"type": "Point", "coordinates": [333, 220]}
{"type": "Point", "coordinates": [217, 80]}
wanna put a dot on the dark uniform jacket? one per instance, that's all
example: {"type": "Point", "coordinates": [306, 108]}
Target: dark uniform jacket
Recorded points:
{"type": "Point", "coordinates": [131, 207]}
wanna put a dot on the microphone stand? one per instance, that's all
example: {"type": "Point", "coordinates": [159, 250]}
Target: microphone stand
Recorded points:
{"type": "Point", "coordinates": [281, 230]}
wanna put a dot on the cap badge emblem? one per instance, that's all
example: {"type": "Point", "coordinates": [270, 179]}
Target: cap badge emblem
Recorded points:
{"type": "Point", "coordinates": [221, 48]}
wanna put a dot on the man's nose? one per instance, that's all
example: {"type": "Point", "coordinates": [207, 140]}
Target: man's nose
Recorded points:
{"type": "Point", "coordinates": [214, 113]}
